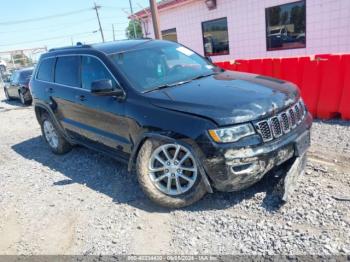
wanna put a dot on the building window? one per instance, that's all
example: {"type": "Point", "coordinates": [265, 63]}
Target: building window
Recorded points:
{"type": "Point", "coordinates": [215, 37]}
{"type": "Point", "coordinates": [170, 35]}
{"type": "Point", "coordinates": [285, 26]}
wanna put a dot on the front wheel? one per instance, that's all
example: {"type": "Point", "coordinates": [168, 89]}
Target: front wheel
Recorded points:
{"type": "Point", "coordinates": [57, 143]}
{"type": "Point", "coordinates": [168, 174]}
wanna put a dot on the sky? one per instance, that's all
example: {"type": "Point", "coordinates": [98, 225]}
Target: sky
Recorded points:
{"type": "Point", "coordinates": [61, 30]}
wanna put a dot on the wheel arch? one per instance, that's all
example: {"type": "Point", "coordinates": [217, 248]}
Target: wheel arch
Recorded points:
{"type": "Point", "coordinates": [40, 109]}
{"type": "Point", "coordinates": [170, 137]}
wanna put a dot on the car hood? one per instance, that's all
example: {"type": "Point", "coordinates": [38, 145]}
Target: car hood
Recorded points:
{"type": "Point", "coordinates": [228, 97]}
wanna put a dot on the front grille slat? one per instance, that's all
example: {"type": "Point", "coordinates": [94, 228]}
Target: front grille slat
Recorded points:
{"type": "Point", "coordinates": [283, 123]}
{"type": "Point", "coordinates": [264, 130]}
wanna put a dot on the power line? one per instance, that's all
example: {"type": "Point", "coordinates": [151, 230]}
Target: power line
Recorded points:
{"type": "Point", "coordinates": [47, 39]}
{"type": "Point", "coordinates": [50, 28]}
{"type": "Point", "coordinates": [44, 17]}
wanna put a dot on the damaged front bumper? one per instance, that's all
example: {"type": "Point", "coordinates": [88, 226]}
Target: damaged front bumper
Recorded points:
{"type": "Point", "coordinates": [236, 168]}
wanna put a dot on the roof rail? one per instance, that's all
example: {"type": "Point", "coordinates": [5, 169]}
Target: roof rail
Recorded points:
{"type": "Point", "coordinates": [79, 45]}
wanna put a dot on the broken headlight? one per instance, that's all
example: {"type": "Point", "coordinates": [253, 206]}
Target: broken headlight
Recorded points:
{"type": "Point", "coordinates": [231, 134]}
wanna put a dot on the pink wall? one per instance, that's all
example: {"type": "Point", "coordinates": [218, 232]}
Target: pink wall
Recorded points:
{"type": "Point", "coordinates": [327, 26]}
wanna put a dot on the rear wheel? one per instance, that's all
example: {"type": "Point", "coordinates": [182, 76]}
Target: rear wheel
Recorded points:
{"type": "Point", "coordinates": [168, 174]}
{"type": "Point", "coordinates": [24, 101]}
{"type": "Point", "coordinates": [57, 143]}
{"type": "Point", "coordinates": [7, 94]}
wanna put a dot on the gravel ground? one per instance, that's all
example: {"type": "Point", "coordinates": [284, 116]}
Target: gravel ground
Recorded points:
{"type": "Point", "coordinates": [87, 203]}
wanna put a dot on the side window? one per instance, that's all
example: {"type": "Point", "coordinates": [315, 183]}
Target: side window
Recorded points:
{"type": "Point", "coordinates": [25, 75]}
{"type": "Point", "coordinates": [67, 71]}
{"type": "Point", "coordinates": [92, 70]}
{"type": "Point", "coordinates": [13, 77]}
{"type": "Point", "coordinates": [45, 71]}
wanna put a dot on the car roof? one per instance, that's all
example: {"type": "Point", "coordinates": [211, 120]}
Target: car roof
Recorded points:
{"type": "Point", "coordinates": [27, 69]}
{"type": "Point", "coordinates": [107, 47]}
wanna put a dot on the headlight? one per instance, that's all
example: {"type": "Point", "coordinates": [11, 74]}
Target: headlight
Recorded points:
{"type": "Point", "coordinates": [231, 134]}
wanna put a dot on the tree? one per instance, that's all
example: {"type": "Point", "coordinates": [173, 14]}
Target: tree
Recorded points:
{"type": "Point", "coordinates": [129, 32]}
{"type": "Point", "coordinates": [22, 59]}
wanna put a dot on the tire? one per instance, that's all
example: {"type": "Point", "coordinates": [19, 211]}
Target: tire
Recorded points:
{"type": "Point", "coordinates": [143, 163]}
{"type": "Point", "coordinates": [7, 95]}
{"type": "Point", "coordinates": [59, 146]}
{"type": "Point", "coordinates": [24, 101]}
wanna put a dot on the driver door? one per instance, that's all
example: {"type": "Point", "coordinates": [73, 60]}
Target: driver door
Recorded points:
{"type": "Point", "coordinates": [102, 119]}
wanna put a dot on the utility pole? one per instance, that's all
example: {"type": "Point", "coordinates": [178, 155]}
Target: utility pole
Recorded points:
{"type": "Point", "coordinates": [96, 7]}
{"type": "Point", "coordinates": [113, 32]}
{"type": "Point", "coordinates": [133, 19]}
{"type": "Point", "coordinates": [155, 19]}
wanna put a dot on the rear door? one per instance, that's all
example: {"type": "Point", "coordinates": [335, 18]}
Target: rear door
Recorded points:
{"type": "Point", "coordinates": [101, 118]}
{"type": "Point", "coordinates": [66, 84]}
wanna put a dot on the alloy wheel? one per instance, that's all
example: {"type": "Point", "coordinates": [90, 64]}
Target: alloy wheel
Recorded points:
{"type": "Point", "coordinates": [21, 96]}
{"type": "Point", "coordinates": [50, 134]}
{"type": "Point", "coordinates": [7, 94]}
{"type": "Point", "coordinates": [172, 169]}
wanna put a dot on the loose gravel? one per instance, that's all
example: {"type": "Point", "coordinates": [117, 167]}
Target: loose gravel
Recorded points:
{"type": "Point", "coordinates": [87, 203]}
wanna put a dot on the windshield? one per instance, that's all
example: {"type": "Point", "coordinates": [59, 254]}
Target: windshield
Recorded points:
{"type": "Point", "coordinates": [161, 64]}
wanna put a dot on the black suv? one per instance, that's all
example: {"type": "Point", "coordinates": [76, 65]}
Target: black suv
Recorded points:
{"type": "Point", "coordinates": [18, 86]}
{"type": "Point", "coordinates": [185, 125]}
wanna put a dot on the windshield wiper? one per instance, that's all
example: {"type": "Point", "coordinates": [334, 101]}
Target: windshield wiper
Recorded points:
{"type": "Point", "coordinates": [178, 83]}
{"type": "Point", "coordinates": [167, 85]}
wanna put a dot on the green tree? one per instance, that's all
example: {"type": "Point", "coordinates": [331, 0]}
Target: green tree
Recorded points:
{"type": "Point", "coordinates": [129, 32]}
{"type": "Point", "coordinates": [22, 59]}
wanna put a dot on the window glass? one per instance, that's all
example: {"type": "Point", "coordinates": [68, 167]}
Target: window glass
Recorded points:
{"type": "Point", "coordinates": [170, 35]}
{"type": "Point", "coordinates": [14, 77]}
{"type": "Point", "coordinates": [67, 70]}
{"type": "Point", "coordinates": [92, 70]}
{"type": "Point", "coordinates": [45, 72]}
{"type": "Point", "coordinates": [215, 37]}
{"type": "Point", "coordinates": [25, 75]}
{"type": "Point", "coordinates": [160, 64]}
{"type": "Point", "coordinates": [285, 26]}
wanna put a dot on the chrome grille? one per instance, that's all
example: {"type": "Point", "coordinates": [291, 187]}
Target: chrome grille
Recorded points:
{"type": "Point", "coordinates": [264, 130]}
{"type": "Point", "coordinates": [276, 126]}
{"type": "Point", "coordinates": [284, 122]}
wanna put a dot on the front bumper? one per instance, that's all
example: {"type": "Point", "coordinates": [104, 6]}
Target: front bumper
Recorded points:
{"type": "Point", "coordinates": [236, 168]}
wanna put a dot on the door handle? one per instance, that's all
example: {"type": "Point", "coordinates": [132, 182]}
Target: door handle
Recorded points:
{"type": "Point", "coordinates": [49, 90]}
{"type": "Point", "coordinates": [81, 97]}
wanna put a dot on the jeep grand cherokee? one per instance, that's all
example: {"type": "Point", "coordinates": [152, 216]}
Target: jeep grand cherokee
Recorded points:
{"type": "Point", "coordinates": [185, 125]}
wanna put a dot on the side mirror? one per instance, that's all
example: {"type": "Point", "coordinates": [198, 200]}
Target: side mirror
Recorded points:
{"type": "Point", "coordinates": [209, 59]}
{"type": "Point", "coordinates": [104, 87]}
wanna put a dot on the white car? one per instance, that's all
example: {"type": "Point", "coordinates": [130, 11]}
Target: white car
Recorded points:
{"type": "Point", "coordinates": [2, 66]}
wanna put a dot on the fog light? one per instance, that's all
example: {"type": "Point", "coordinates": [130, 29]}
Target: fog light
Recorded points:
{"type": "Point", "coordinates": [248, 168]}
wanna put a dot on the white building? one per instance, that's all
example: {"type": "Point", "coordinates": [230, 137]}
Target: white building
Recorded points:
{"type": "Point", "coordinates": [231, 29]}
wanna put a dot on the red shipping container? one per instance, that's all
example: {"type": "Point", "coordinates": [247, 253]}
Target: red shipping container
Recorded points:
{"type": "Point", "coordinates": [256, 66]}
{"type": "Point", "coordinates": [232, 67]}
{"type": "Point", "coordinates": [310, 85]}
{"type": "Point", "coordinates": [242, 65]}
{"type": "Point", "coordinates": [276, 68]}
{"type": "Point", "coordinates": [267, 64]}
{"type": "Point", "coordinates": [289, 70]}
{"type": "Point", "coordinates": [344, 107]}
{"type": "Point", "coordinates": [331, 87]}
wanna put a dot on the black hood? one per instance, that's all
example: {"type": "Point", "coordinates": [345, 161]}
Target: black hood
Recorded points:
{"type": "Point", "coordinates": [228, 97]}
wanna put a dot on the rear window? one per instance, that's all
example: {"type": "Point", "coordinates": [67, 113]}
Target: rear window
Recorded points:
{"type": "Point", "coordinates": [25, 75]}
{"type": "Point", "coordinates": [67, 71]}
{"type": "Point", "coordinates": [45, 72]}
